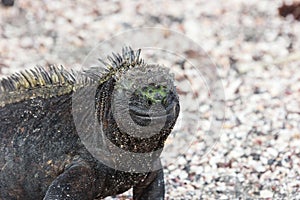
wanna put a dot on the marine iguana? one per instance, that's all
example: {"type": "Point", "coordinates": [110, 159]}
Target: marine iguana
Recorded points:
{"type": "Point", "coordinates": [42, 153]}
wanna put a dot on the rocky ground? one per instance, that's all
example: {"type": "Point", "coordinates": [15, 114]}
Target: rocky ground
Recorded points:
{"type": "Point", "coordinates": [256, 154]}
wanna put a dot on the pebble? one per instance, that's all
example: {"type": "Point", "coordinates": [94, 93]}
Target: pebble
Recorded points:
{"type": "Point", "coordinates": [26, 42]}
{"type": "Point", "coordinates": [272, 152]}
{"type": "Point", "coordinates": [260, 168]}
{"type": "Point", "coordinates": [183, 175]}
{"type": "Point", "coordinates": [266, 194]}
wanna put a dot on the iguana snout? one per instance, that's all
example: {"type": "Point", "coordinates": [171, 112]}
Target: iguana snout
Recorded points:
{"type": "Point", "coordinates": [153, 103]}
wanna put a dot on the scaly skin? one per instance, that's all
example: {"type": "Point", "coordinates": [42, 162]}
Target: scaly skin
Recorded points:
{"type": "Point", "coordinates": [42, 154]}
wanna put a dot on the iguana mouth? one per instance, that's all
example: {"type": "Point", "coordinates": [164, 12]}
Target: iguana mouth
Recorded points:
{"type": "Point", "coordinates": [141, 114]}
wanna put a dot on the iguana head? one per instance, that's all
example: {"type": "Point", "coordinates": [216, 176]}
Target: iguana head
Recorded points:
{"type": "Point", "coordinates": [142, 106]}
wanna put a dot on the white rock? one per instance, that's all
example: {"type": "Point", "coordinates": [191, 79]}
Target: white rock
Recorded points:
{"type": "Point", "coordinates": [260, 168]}
{"type": "Point", "coordinates": [171, 167]}
{"type": "Point", "coordinates": [26, 42]}
{"type": "Point", "coordinates": [273, 152]}
{"type": "Point", "coordinates": [183, 175]}
{"type": "Point", "coordinates": [181, 161]}
{"type": "Point", "coordinates": [266, 194]}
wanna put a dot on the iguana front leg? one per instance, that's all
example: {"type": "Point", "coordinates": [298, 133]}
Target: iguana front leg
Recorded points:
{"type": "Point", "coordinates": [75, 183]}
{"type": "Point", "coordinates": [152, 188]}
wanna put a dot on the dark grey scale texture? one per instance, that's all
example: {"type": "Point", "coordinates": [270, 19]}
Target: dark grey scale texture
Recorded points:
{"type": "Point", "coordinates": [8, 2]}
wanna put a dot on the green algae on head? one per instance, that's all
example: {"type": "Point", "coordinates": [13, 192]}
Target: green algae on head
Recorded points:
{"type": "Point", "coordinates": [153, 93]}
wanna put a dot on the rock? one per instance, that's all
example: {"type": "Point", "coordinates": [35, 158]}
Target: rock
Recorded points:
{"type": "Point", "coordinates": [266, 194]}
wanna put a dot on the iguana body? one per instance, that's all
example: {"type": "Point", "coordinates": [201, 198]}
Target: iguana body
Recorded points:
{"type": "Point", "coordinates": [42, 154]}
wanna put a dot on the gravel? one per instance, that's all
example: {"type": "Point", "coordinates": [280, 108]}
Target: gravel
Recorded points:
{"type": "Point", "coordinates": [257, 155]}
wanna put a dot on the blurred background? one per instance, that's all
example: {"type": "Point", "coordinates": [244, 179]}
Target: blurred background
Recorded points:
{"type": "Point", "coordinates": [255, 46]}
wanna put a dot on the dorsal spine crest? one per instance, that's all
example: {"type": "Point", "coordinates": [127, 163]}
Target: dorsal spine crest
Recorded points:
{"type": "Point", "coordinates": [57, 81]}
